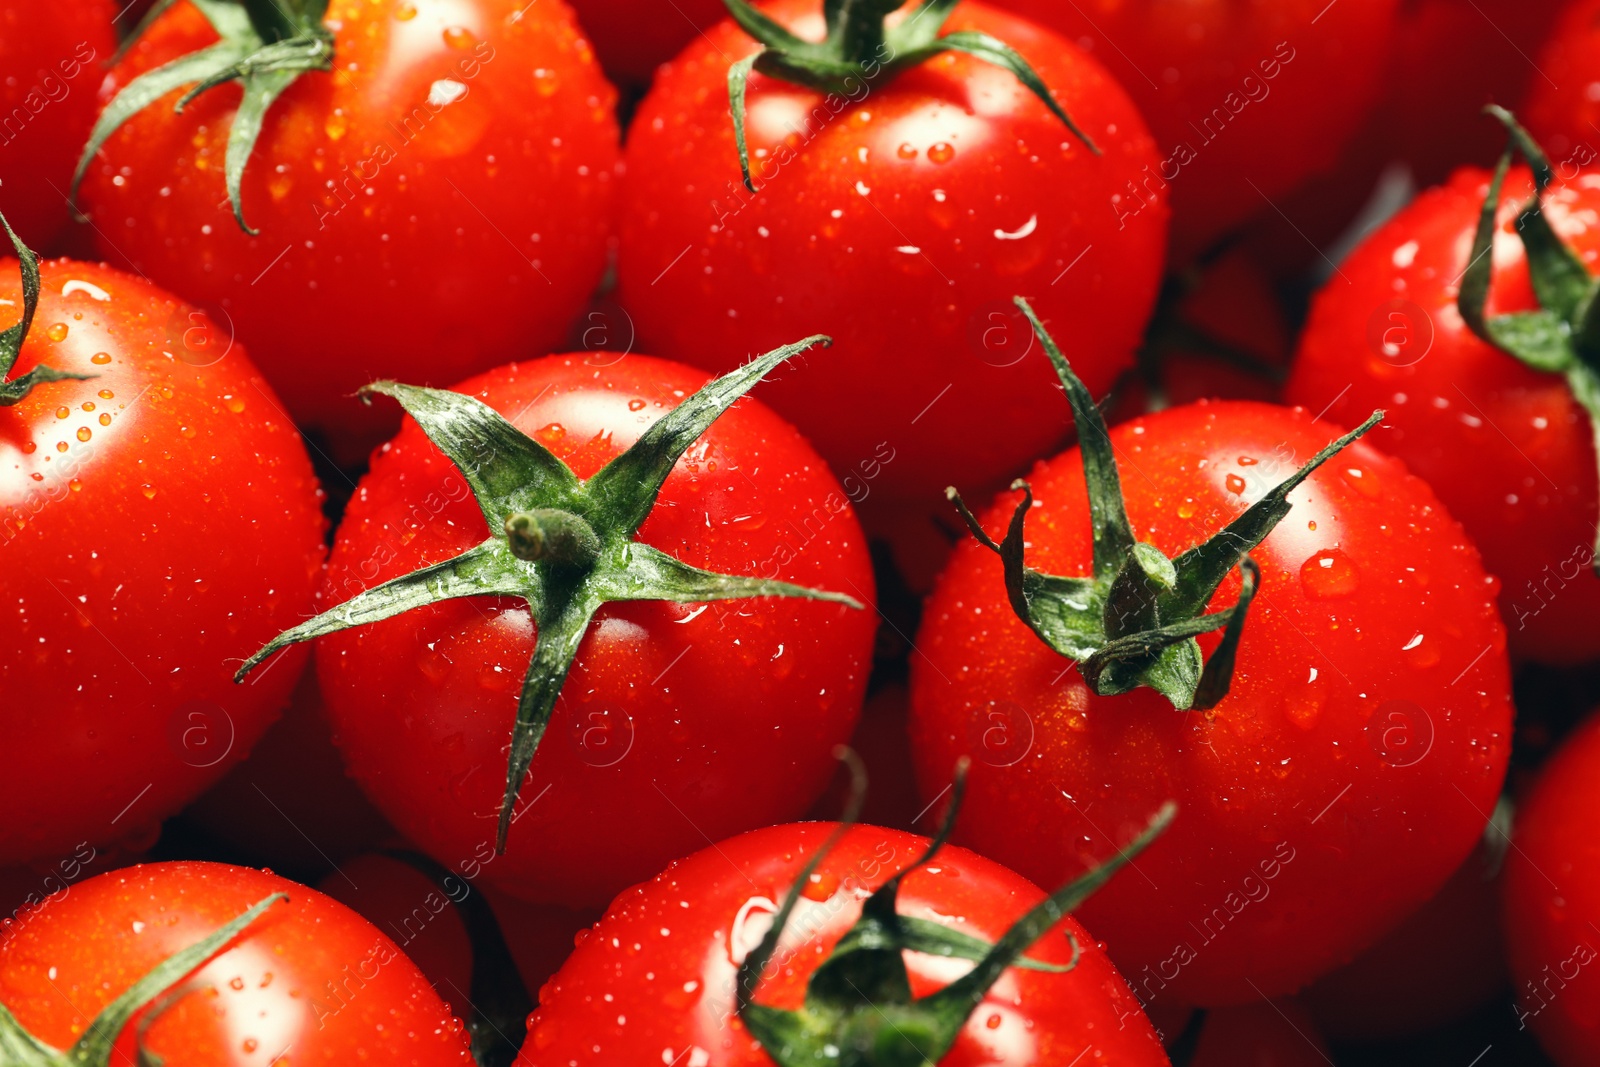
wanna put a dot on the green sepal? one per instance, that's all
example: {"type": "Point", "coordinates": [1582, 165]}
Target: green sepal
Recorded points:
{"type": "Point", "coordinates": [861, 47]}
{"type": "Point", "coordinates": [859, 1010]}
{"type": "Point", "coordinates": [520, 484]}
{"type": "Point", "coordinates": [11, 339]}
{"type": "Point", "coordinates": [1134, 622]}
{"type": "Point", "coordinates": [18, 1048]}
{"type": "Point", "coordinates": [1561, 336]}
{"type": "Point", "coordinates": [265, 46]}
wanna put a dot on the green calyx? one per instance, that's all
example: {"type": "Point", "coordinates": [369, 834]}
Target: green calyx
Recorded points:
{"type": "Point", "coordinates": [564, 546]}
{"type": "Point", "coordinates": [265, 46]}
{"type": "Point", "coordinates": [859, 1011]}
{"type": "Point", "coordinates": [18, 1048]}
{"type": "Point", "coordinates": [1134, 621]}
{"type": "Point", "coordinates": [860, 48]}
{"type": "Point", "coordinates": [13, 390]}
{"type": "Point", "coordinates": [1563, 335]}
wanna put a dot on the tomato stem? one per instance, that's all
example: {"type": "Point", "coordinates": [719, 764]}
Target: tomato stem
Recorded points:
{"type": "Point", "coordinates": [551, 534]}
{"type": "Point", "coordinates": [1135, 620]}
{"type": "Point", "coordinates": [12, 338]}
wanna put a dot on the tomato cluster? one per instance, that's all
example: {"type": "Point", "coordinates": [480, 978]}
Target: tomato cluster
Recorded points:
{"type": "Point", "coordinates": [489, 580]}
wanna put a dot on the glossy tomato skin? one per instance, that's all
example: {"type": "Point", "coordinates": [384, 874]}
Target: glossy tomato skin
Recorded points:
{"type": "Point", "coordinates": [677, 720]}
{"type": "Point", "coordinates": [1347, 773]}
{"type": "Point", "coordinates": [1263, 93]}
{"type": "Point", "coordinates": [1507, 448]}
{"type": "Point", "coordinates": [657, 973]}
{"type": "Point", "coordinates": [438, 205]}
{"type": "Point", "coordinates": [902, 224]}
{"type": "Point", "coordinates": [633, 37]}
{"type": "Point", "coordinates": [1552, 903]}
{"type": "Point", "coordinates": [161, 522]}
{"type": "Point", "coordinates": [1558, 109]}
{"type": "Point", "coordinates": [50, 67]}
{"type": "Point", "coordinates": [309, 980]}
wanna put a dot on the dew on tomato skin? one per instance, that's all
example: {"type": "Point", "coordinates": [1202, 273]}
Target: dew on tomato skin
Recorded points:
{"type": "Point", "coordinates": [63, 411]}
{"type": "Point", "coordinates": [1234, 483]}
{"type": "Point", "coordinates": [57, 331]}
{"type": "Point", "coordinates": [942, 152]}
{"type": "Point", "coordinates": [1329, 575]}
{"type": "Point", "coordinates": [149, 491]}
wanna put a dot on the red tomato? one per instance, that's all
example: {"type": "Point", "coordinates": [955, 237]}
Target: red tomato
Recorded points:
{"type": "Point", "coordinates": [1559, 108]}
{"type": "Point", "coordinates": [1424, 975]}
{"type": "Point", "coordinates": [308, 982]}
{"type": "Point", "coordinates": [881, 742]}
{"type": "Point", "coordinates": [902, 224]}
{"type": "Point", "coordinates": [290, 806]}
{"type": "Point", "coordinates": [423, 920]}
{"type": "Point", "coordinates": [656, 976]}
{"type": "Point", "coordinates": [1278, 1033]}
{"type": "Point", "coordinates": [633, 37]}
{"type": "Point", "coordinates": [678, 721]}
{"type": "Point", "coordinates": [1506, 447]}
{"type": "Point", "coordinates": [437, 206]}
{"type": "Point", "coordinates": [160, 521]}
{"type": "Point", "coordinates": [1346, 774]}
{"type": "Point", "coordinates": [50, 59]}
{"type": "Point", "coordinates": [1246, 100]}
{"type": "Point", "coordinates": [1552, 903]}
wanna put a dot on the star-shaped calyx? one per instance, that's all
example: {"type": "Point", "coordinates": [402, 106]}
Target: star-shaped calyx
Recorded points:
{"type": "Point", "coordinates": [564, 546]}
{"type": "Point", "coordinates": [1134, 621]}
{"type": "Point", "coordinates": [1563, 335]}
{"type": "Point", "coordinates": [859, 1010]}
{"type": "Point", "coordinates": [14, 389]}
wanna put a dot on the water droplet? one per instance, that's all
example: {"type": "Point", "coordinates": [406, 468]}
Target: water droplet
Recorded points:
{"type": "Point", "coordinates": [249, 1045]}
{"type": "Point", "coordinates": [84, 433]}
{"type": "Point", "coordinates": [1234, 483]}
{"type": "Point", "coordinates": [405, 12]}
{"type": "Point", "coordinates": [63, 412]}
{"type": "Point", "coordinates": [1312, 525]}
{"type": "Point", "coordinates": [236, 983]}
{"type": "Point", "coordinates": [941, 153]}
{"type": "Point", "coordinates": [1186, 509]}
{"type": "Point", "coordinates": [459, 37]}
{"type": "Point", "coordinates": [1362, 481]}
{"type": "Point", "coordinates": [57, 331]}
{"type": "Point", "coordinates": [149, 491]}
{"type": "Point", "coordinates": [820, 886]}
{"type": "Point", "coordinates": [336, 124]}
{"type": "Point", "coordinates": [993, 1021]}
{"type": "Point", "coordinates": [1328, 575]}
{"type": "Point", "coordinates": [234, 404]}
{"type": "Point", "coordinates": [88, 405]}
{"type": "Point", "coordinates": [636, 405]}
{"type": "Point", "coordinates": [105, 418]}
{"type": "Point", "coordinates": [100, 358]}
{"type": "Point", "coordinates": [551, 433]}
{"type": "Point", "coordinates": [907, 150]}
{"type": "Point", "coordinates": [106, 394]}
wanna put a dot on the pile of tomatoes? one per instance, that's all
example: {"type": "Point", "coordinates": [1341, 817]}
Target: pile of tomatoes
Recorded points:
{"type": "Point", "coordinates": [487, 575]}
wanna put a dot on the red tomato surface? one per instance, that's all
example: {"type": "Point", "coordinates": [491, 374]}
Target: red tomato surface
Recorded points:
{"type": "Point", "coordinates": [1277, 1033]}
{"type": "Point", "coordinates": [1424, 975]}
{"type": "Point", "coordinates": [1560, 108]}
{"type": "Point", "coordinates": [1246, 99]}
{"type": "Point", "coordinates": [437, 206]}
{"type": "Point", "coordinates": [50, 67]}
{"type": "Point", "coordinates": [902, 224]}
{"type": "Point", "coordinates": [1507, 448]}
{"type": "Point", "coordinates": [633, 37]}
{"type": "Point", "coordinates": [160, 522]}
{"type": "Point", "coordinates": [678, 721]}
{"type": "Point", "coordinates": [654, 981]}
{"type": "Point", "coordinates": [309, 981]}
{"type": "Point", "coordinates": [1346, 775]}
{"type": "Point", "coordinates": [1552, 903]}
{"type": "Point", "coordinates": [291, 806]}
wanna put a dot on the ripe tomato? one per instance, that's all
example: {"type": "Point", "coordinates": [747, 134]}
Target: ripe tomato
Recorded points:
{"type": "Point", "coordinates": [900, 220]}
{"type": "Point", "coordinates": [677, 720]}
{"type": "Point", "coordinates": [1559, 109]}
{"type": "Point", "coordinates": [308, 981]}
{"type": "Point", "coordinates": [1347, 772]}
{"type": "Point", "coordinates": [1507, 448]}
{"type": "Point", "coordinates": [1246, 100]}
{"type": "Point", "coordinates": [290, 806]}
{"type": "Point", "coordinates": [657, 974]}
{"type": "Point", "coordinates": [50, 57]}
{"type": "Point", "coordinates": [160, 520]}
{"type": "Point", "coordinates": [633, 37]}
{"type": "Point", "coordinates": [438, 205]}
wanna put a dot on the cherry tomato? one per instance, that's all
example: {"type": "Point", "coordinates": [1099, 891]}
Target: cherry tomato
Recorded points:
{"type": "Point", "coordinates": [1424, 975]}
{"type": "Point", "coordinates": [1246, 100]}
{"type": "Point", "coordinates": [160, 520]}
{"type": "Point", "coordinates": [1558, 108]}
{"type": "Point", "coordinates": [1343, 778]}
{"type": "Point", "coordinates": [1507, 448]}
{"type": "Point", "coordinates": [901, 222]}
{"type": "Point", "coordinates": [657, 973]}
{"type": "Point", "coordinates": [633, 37]}
{"type": "Point", "coordinates": [290, 806]}
{"type": "Point", "coordinates": [309, 981]}
{"type": "Point", "coordinates": [436, 206]}
{"type": "Point", "coordinates": [1279, 1033]}
{"type": "Point", "coordinates": [1552, 901]}
{"type": "Point", "coordinates": [50, 60]}
{"type": "Point", "coordinates": [677, 720]}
